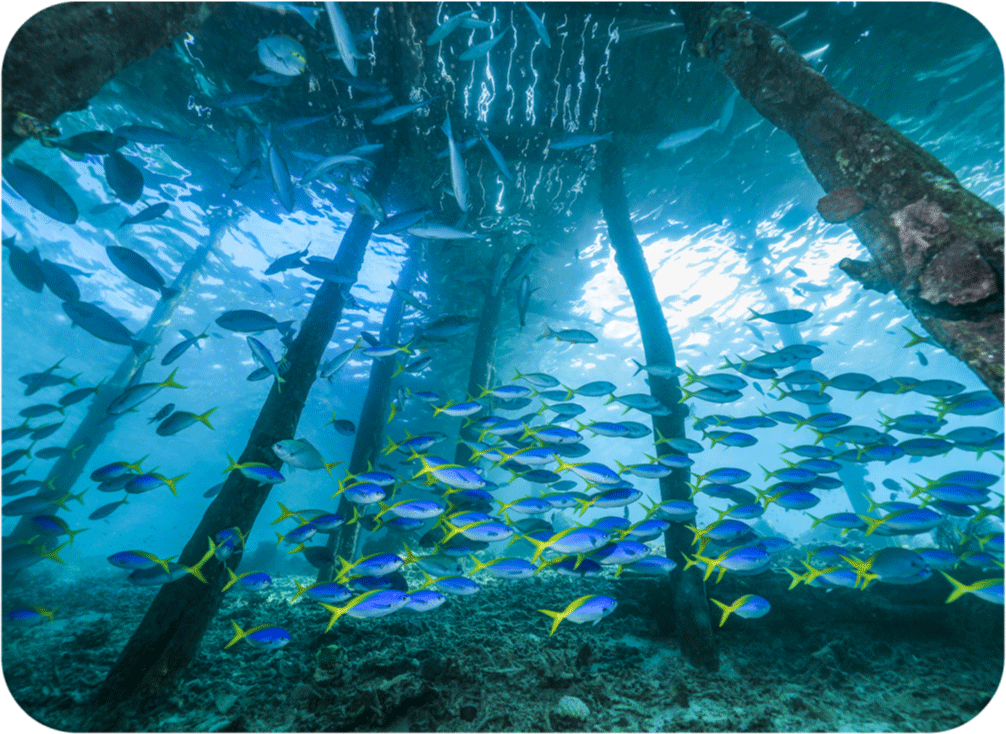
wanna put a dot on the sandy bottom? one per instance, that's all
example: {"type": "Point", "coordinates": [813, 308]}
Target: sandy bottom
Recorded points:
{"type": "Point", "coordinates": [816, 662]}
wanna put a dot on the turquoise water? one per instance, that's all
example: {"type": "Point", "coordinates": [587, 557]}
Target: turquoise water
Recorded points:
{"type": "Point", "coordinates": [726, 219]}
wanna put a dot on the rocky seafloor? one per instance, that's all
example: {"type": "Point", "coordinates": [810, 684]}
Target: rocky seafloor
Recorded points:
{"type": "Point", "coordinates": [887, 659]}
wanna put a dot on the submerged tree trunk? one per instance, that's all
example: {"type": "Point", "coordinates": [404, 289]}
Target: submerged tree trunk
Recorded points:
{"type": "Point", "coordinates": [373, 415]}
{"type": "Point", "coordinates": [168, 636]}
{"type": "Point", "coordinates": [937, 245]}
{"type": "Point", "coordinates": [97, 422]}
{"type": "Point", "coordinates": [483, 358]}
{"type": "Point", "coordinates": [691, 609]}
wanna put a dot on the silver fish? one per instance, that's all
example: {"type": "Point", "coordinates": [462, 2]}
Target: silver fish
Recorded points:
{"type": "Point", "coordinates": [343, 36]}
{"type": "Point", "coordinates": [459, 176]}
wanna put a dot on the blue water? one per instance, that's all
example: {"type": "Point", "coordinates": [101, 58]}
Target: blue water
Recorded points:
{"type": "Point", "coordinates": [727, 222]}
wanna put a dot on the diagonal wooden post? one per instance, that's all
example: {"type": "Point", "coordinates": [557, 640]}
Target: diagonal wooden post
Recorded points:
{"type": "Point", "coordinates": [937, 245]}
{"type": "Point", "coordinates": [97, 422]}
{"type": "Point", "coordinates": [169, 634]}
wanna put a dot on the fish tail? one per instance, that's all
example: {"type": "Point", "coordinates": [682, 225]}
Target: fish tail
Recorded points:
{"type": "Point", "coordinates": [754, 315]}
{"type": "Point", "coordinates": [685, 394]}
{"type": "Point", "coordinates": [234, 579]}
{"type": "Point", "coordinates": [300, 589]}
{"type": "Point", "coordinates": [725, 609]}
{"type": "Point", "coordinates": [297, 549]}
{"type": "Point", "coordinates": [205, 417]}
{"type": "Point", "coordinates": [479, 565]}
{"type": "Point", "coordinates": [817, 520]}
{"type": "Point", "coordinates": [399, 369]}
{"type": "Point", "coordinates": [959, 588]}
{"type": "Point", "coordinates": [639, 367]}
{"type": "Point", "coordinates": [170, 381]}
{"type": "Point", "coordinates": [238, 634]}
{"type": "Point", "coordinates": [196, 569]}
{"type": "Point", "coordinates": [556, 619]}
{"type": "Point", "coordinates": [914, 338]}
{"type": "Point", "coordinates": [231, 466]}
{"type": "Point", "coordinates": [171, 482]}
{"type": "Point", "coordinates": [284, 513]}
{"type": "Point", "coordinates": [410, 557]}
{"type": "Point", "coordinates": [329, 466]}
{"type": "Point", "coordinates": [872, 523]}
{"type": "Point", "coordinates": [74, 533]}
{"type": "Point", "coordinates": [279, 539]}
{"type": "Point", "coordinates": [862, 567]}
{"type": "Point", "coordinates": [53, 555]}
{"type": "Point", "coordinates": [796, 578]}
{"type": "Point", "coordinates": [547, 333]}
{"type": "Point", "coordinates": [344, 567]}
{"type": "Point", "coordinates": [689, 562]}
{"type": "Point", "coordinates": [916, 489]}
{"type": "Point", "coordinates": [902, 387]}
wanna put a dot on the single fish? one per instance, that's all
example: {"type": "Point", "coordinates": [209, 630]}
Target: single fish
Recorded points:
{"type": "Point", "coordinates": [445, 29]}
{"type": "Point", "coordinates": [459, 176]}
{"type": "Point", "coordinates": [26, 269]}
{"type": "Point", "coordinates": [591, 608]}
{"type": "Point", "coordinates": [251, 322]}
{"type": "Point", "coordinates": [124, 177]}
{"type": "Point", "coordinates": [136, 267]}
{"type": "Point", "coordinates": [264, 356]}
{"type": "Point", "coordinates": [791, 316]}
{"type": "Point", "coordinates": [60, 282]}
{"type": "Point", "coordinates": [40, 191]}
{"type": "Point", "coordinates": [397, 113]}
{"type": "Point", "coordinates": [179, 349]}
{"type": "Point", "coordinates": [279, 173]}
{"type": "Point", "coordinates": [239, 99]}
{"type": "Point", "coordinates": [343, 36]}
{"type": "Point", "coordinates": [496, 155]}
{"type": "Point", "coordinates": [441, 232]}
{"type": "Point", "coordinates": [282, 55]}
{"type": "Point", "coordinates": [265, 636]}
{"type": "Point", "coordinates": [100, 324]}
{"type": "Point", "coordinates": [574, 336]}
{"type": "Point", "coordinates": [327, 164]}
{"type": "Point", "coordinates": [183, 419]}
{"type": "Point", "coordinates": [539, 26]}
{"type": "Point", "coordinates": [256, 471]}
{"type": "Point", "coordinates": [748, 606]}
{"type": "Point", "coordinates": [247, 173]}
{"type": "Point", "coordinates": [303, 455]}
{"type": "Point", "coordinates": [523, 300]}
{"type": "Point", "coordinates": [481, 49]}
{"type": "Point", "coordinates": [151, 212]}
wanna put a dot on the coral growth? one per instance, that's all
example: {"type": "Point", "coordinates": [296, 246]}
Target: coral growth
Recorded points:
{"type": "Point", "coordinates": [840, 205]}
